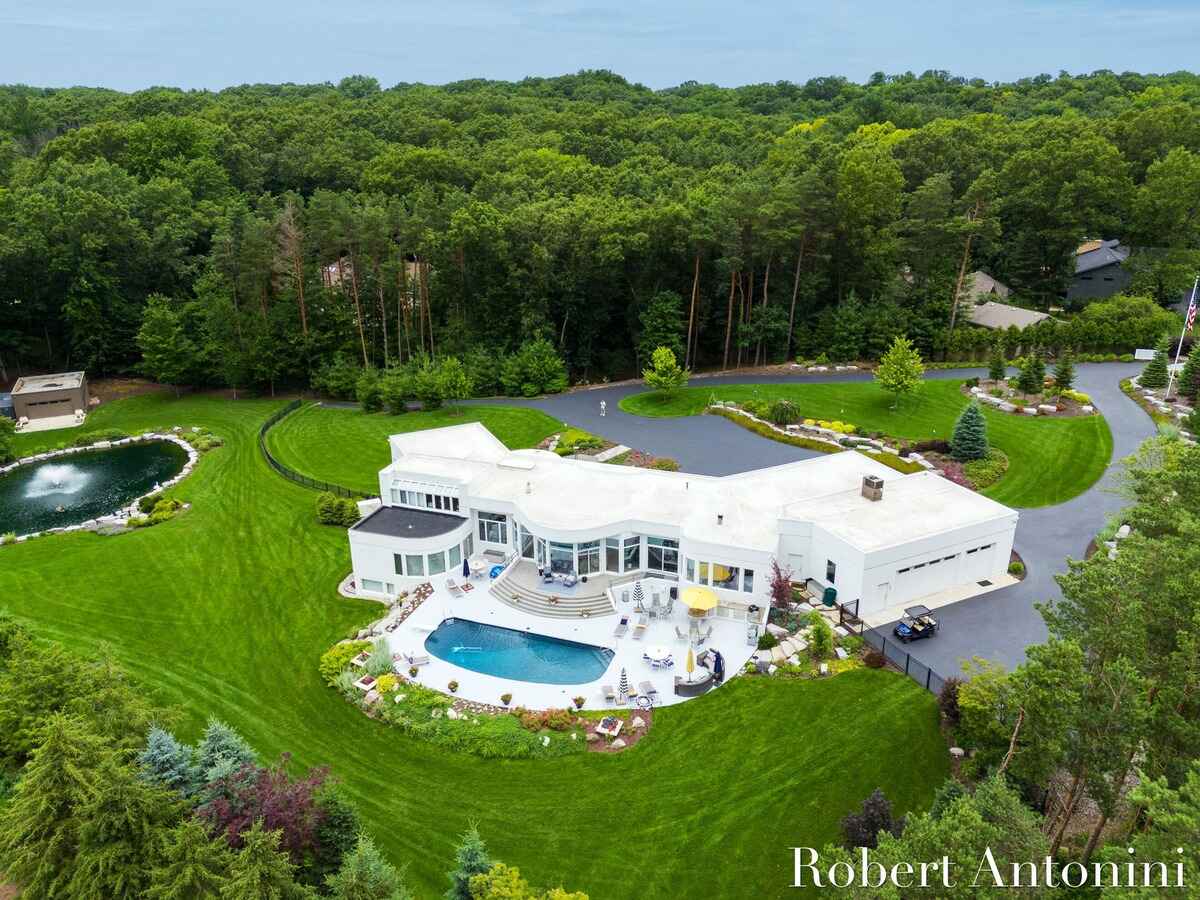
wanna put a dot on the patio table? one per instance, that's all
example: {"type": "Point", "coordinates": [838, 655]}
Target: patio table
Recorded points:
{"type": "Point", "coordinates": [658, 655]}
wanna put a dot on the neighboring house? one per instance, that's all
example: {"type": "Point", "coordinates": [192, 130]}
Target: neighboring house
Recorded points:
{"type": "Point", "coordinates": [843, 521]}
{"type": "Point", "coordinates": [984, 293]}
{"type": "Point", "coordinates": [981, 287]}
{"type": "Point", "coordinates": [43, 396]}
{"type": "Point", "coordinates": [1099, 271]}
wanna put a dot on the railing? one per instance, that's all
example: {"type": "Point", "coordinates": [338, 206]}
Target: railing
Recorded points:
{"type": "Point", "coordinates": [291, 474]}
{"type": "Point", "coordinates": [905, 661]}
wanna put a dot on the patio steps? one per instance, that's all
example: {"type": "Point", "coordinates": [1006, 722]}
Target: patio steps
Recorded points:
{"type": "Point", "coordinates": [508, 592]}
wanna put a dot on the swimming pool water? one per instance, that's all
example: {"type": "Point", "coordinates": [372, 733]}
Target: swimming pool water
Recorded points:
{"type": "Point", "coordinates": [519, 655]}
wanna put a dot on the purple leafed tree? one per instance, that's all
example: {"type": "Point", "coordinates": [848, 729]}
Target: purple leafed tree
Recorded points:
{"type": "Point", "coordinates": [781, 585]}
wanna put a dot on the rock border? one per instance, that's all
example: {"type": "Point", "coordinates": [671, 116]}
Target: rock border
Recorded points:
{"type": "Point", "coordinates": [120, 518]}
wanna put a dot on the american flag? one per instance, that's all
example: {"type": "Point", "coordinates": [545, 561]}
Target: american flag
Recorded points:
{"type": "Point", "coordinates": [1191, 313]}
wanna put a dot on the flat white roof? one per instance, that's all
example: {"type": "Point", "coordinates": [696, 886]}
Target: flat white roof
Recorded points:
{"type": "Point", "coordinates": [576, 495]}
{"type": "Point", "coordinates": [32, 384]}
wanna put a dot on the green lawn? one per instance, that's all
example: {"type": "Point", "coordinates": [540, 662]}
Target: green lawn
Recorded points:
{"type": "Point", "coordinates": [1051, 460]}
{"type": "Point", "coordinates": [226, 609]}
{"type": "Point", "coordinates": [349, 447]}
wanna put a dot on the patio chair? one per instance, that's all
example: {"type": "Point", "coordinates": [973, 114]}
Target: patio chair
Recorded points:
{"type": "Point", "coordinates": [453, 588]}
{"type": "Point", "coordinates": [622, 627]}
{"type": "Point", "coordinates": [670, 604]}
{"type": "Point", "coordinates": [679, 634]}
{"type": "Point", "coordinates": [639, 630]}
{"type": "Point", "coordinates": [610, 696]}
{"type": "Point", "coordinates": [416, 659]}
{"type": "Point", "coordinates": [646, 689]}
{"type": "Point", "coordinates": [547, 577]}
{"type": "Point", "coordinates": [655, 606]}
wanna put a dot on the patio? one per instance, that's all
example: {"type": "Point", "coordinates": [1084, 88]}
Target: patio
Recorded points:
{"type": "Point", "coordinates": [728, 637]}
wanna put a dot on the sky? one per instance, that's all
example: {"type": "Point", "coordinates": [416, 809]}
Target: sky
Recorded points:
{"type": "Point", "coordinates": [132, 44]}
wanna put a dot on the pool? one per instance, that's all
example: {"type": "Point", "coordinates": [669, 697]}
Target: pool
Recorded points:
{"type": "Point", "coordinates": [519, 655]}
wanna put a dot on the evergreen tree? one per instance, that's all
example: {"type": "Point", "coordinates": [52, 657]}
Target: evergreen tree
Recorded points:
{"type": "Point", "coordinates": [259, 871]}
{"type": "Point", "coordinates": [665, 375]}
{"type": "Point", "coordinates": [1064, 371]}
{"type": "Point", "coordinates": [167, 762]}
{"type": "Point", "coordinates": [8, 431]}
{"type": "Point", "coordinates": [1189, 378]}
{"type": "Point", "coordinates": [1154, 376]}
{"type": "Point", "coordinates": [1192, 422]}
{"type": "Point", "coordinates": [193, 866]}
{"type": "Point", "coordinates": [222, 745]}
{"type": "Point", "coordinates": [1032, 377]}
{"type": "Point", "coordinates": [39, 827]}
{"type": "Point", "coordinates": [123, 823]}
{"type": "Point", "coordinates": [168, 354]}
{"type": "Point", "coordinates": [969, 439]}
{"type": "Point", "coordinates": [471, 858]}
{"type": "Point", "coordinates": [899, 371]}
{"type": "Point", "coordinates": [366, 875]}
{"type": "Point", "coordinates": [997, 364]}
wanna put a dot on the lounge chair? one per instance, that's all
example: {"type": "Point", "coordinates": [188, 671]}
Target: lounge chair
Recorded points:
{"type": "Point", "coordinates": [416, 659]}
{"type": "Point", "coordinates": [610, 696]}
{"type": "Point", "coordinates": [646, 689]}
{"type": "Point", "coordinates": [622, 627]}
{"type": "Point", "coordinates": [547, 577]}
{"type": "Point", "coordinates": [679, 634]}
{"type": "Point", "coordinates": [639, 630]}
{"type": "Point", "coordinates": [453, 588]}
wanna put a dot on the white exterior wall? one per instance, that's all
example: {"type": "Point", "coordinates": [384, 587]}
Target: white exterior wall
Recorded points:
{"type": "Point", "coordinates": [372, 556]}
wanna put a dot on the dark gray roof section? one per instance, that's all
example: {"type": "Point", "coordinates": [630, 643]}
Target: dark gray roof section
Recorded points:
{"type": "Point", "coordinates": [402, 522]}
{"type": "Point", "coordinates": [1107, 254]}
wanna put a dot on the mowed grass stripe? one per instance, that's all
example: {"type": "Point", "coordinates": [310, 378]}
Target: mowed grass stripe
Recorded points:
{"type": "Point", "coordinates": [226, 610]}
{"type": "Point", "coordinates": [1050, 460]}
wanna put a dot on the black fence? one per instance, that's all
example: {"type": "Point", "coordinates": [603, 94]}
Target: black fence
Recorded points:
{"type": "Point", "coordinates": [291, 474]}
{"type": "Point", "coordinates": [895, 653]}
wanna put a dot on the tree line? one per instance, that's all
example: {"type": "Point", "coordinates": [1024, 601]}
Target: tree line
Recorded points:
{"type": "Point", "coordinates": [285, 226]}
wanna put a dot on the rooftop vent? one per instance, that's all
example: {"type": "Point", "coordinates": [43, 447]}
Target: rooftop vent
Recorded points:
{"type": "Point", "coordinates": [872, 487]}
{"type": "Point", "coordinates": [720, 519]}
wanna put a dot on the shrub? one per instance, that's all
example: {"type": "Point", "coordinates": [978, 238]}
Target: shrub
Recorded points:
{"type": "Point", "coordinates": [1017, 568]}
{"type": "Point", "coordinates": [948, 700]}
{"type": "Point", "coordinates": [534, 369]}
{"type": "Point", "coordinates": [453, 686]}
{"type": "Point", "coordinates": [92, 437]}
{"type": "Point", "coordinates": [767, 641]}
{"type": "Point", "coordinates": [335, 510]}
{"type": "Point", "coordinates": [579, 701]}
{"type": "Point", "coordinates": [413, 671]}
{"type": "Point", "coordinates": [368, 391]}
{"type": "Point", "coordinates": [9, 537]}
{"type": "Point", "coordinates": [665, 464]}
{"type": "Point", "coordinates": [1192, 422]}
{"type": "Point", "coordinates": [783, 412]}
{"type": "Point", "coordinates": [552, 719]}
{"type": "Point", "coordinates": [969, 439]}
{"type": "Point", "coordinates": [861, 829]}
{"type": "Point", "coordinates": [820, 637]}
{"type": "Point", "coordinates": [338, 378]}
{"type": "Point", "coordinates": [852, 644]}
{"type": "Point", "coordinates": [387, 683]}
{"type": "Point", "coordinates": [336, 659]}
{"type": "Point", "coordinates": [983, 473]}
{"type": "Point", "coordinates": [506, 698]}
{"type": "Point", "coordinates": [972, 382]}
{"type": "Point", "coordinates": [137, 521]}
{"type": "Point", "coordinates": [1077, 396]}
{"type": "Point", "coordinates": [1032, 377]}
{"type": "Point", "coordinates": [873, 659]}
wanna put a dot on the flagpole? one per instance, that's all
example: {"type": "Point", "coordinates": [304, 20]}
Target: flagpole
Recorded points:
{"type": "Point", "coordinates": [1182, 335]}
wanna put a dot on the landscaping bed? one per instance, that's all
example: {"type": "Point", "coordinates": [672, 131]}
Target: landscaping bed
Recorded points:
{"type": "Point", "coordinates": [1006, 397]}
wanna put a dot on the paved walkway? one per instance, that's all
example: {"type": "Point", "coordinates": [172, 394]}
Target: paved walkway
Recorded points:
{"type": "Point", "coordinates": [997, 626]}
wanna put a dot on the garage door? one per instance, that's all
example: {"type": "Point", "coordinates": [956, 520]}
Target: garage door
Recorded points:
{"type": "Point", "coordinates": [977, 563]}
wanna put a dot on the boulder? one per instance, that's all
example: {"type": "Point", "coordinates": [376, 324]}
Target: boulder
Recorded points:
{"type": "Point", "coordinates": [1029, 410]}
{"type": "Point", "coordinates": [1005, 406]}
{"type": "Point", "coordinates": [840, 653]}
{"type": "Point", "coordinates": [1088, 410]}
{"type": "Point", "coordinates": [1047, 408]}
{"type": "Point", "coordinates": [592, 737]}
{"type": "Point", "coordinates": [824, 668]}
{"type": "Point", "coordinates": [778, 654]}
{"type": "Point", "coordinates": [771, 670]}
{"type": "Point", "coordinates": [638, 722]}
{"type": "Point", "coordinates": [372, 697]}
{"type": "Point", "coordinates": [778, 630]}
{"type": "Point", "coordinates": [957, 752]}
{"type": "Point", "coordinates": [452, 713]}
{"type": "Point", "coordinates": [618, 744]}
{"type": "Point", "coordinates": [1123, 532]}
{"type": "Point", "coordinates": [545, 740]}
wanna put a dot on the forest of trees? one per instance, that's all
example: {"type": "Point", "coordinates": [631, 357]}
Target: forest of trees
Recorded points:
{"type": "Point", "coordinates": [281, 227]}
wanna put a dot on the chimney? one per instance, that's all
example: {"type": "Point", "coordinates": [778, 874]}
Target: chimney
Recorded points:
{"type": "Point", "coordinates": [720, 519]}
{"type": "Point", "coordinates": [872, 487]}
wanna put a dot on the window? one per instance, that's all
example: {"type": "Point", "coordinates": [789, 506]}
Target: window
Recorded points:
{"type": "Point", "coordinates": [562, 558]}
{"type": "Point", "coordinates": [949, 558]}
{"type": "Point", "coordinates": [726, 576]}
{"type": "Point", "coordinates": [389, 588]}
{"type": "Point", "coordinates": [902, 571]}
{"type": "Point", "coordinates": [690, 570]}
{"type": "Point", "coordinates": [397, 496]}
{"type": "Point", "coordinates": [612, 554]}
{"type": "Point", "coordinates": [468, 546]}
{"type": "Point", "coordinates": [703, 579]}
{"type": "Point", "coordinates": [398, 561]}
{"type": "Point", "coordinates": [437, 563]}
{"type": "Point", "coordinates": [662, 555]}
{"type": "Point", "coordinates": [830, 571]}
{"type": "Point", "coordinates": [633, 553]}
{"type": "Point", "coordinates": [454, 503]}
{"type": "Point", "coordinates": [748, 580]}
{"type": "Point", "coordinates": [373, 586]}
{"type": "Point", "coordinates": [437, 501]}
{"type": "Point", "coordinates": [493, 528]}
{"type": "Point", "coordinates": [455, 556]}
{"type": "Point", "coordinates": [526, 539]}
{"type": "Point", "coordinates": [589, 557]}
{"type": "Point", "coordinates": [414, 565]}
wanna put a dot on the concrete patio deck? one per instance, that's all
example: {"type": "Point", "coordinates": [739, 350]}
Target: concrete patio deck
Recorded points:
{"type": "Point", "coordinates": [478, 605]}
{"type": "Point", "coordinates": [50, 423]}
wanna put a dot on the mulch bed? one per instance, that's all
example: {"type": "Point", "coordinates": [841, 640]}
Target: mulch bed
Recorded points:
{"type": "Point", "coordinates": [1067, 409]}
{"type": "Point", "coordinates": [630, 735]}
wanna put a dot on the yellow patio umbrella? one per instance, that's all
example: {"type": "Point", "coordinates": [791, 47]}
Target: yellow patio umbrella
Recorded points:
{"type": "Point", "coordinates": [691, 663]}
{"type": "Point", "coordinates": [699, 600]}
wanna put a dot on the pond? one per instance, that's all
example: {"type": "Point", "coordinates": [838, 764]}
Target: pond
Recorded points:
{"type": "Point", "coordinates": [72, 489]}
{"type": "Point", "coordinates": [518, 655]}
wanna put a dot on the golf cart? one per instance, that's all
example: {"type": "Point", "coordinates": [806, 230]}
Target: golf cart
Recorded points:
{"type": "Point", "coordinates": [916, 623]}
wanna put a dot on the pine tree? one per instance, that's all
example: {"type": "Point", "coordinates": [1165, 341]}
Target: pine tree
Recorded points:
{"type": "Point", "coordinates": [167, 762]}
{"type": "Point", "coordinates": [969, 439]}
{"type": "Point", "coordinates": [168, 355]}
{"type": "Point", "coordinates": [1064, 371]}
{"type": "Point", "coordinates": [1032, 378]}
{"type": "Point", "coordinates": [900, 369]}
{"type": "Point", "coordinates": [259, 871]}
{"type": "Point", "coordinates": [221, 744]}
{"type": "Point", "coordinates": [193, 866]}
{"type": "Point", "coordinates": [1154, 376]}
{"type": "Point", "coordinates": [471, 858]}
{"type": "Point", "coordinates": [366, 875]}
{"type": "Point", "coordinates": [997, 364]}
{"type": "Point", "coordinates": [1189, 378]}
{"type": "Point", "coordinates": [121, 832]}
{"type": "Point", "coordinates": [39, 827]}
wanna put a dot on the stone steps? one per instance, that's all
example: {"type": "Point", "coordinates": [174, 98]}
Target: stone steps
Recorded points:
{"type": "Point", "coordinates": [530, 601]}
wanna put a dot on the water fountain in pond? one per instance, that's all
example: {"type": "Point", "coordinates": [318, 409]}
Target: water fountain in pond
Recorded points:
{"type": "Point", "coordinates": [57, 479]}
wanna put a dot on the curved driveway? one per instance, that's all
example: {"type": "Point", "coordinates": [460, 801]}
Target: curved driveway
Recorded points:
{"type": "Point", "coordinates": [997, 626]}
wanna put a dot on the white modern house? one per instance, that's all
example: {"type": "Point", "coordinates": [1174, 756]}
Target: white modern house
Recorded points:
{"type": "Point", "coordinates": [844, 521]}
